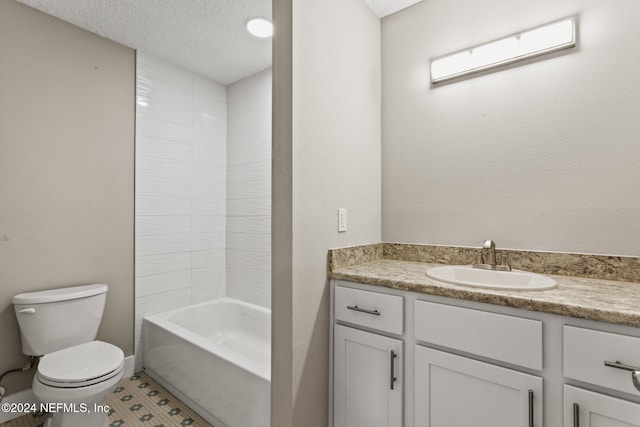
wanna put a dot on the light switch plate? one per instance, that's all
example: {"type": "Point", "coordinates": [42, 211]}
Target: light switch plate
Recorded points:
{"type": "Point", "coordinates": [342, 220]}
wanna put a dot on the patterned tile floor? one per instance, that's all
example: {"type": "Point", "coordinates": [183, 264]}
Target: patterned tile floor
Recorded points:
{"type": "Point", "coordinates": [138, 401]}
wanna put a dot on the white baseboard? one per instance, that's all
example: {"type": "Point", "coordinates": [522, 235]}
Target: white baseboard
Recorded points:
{"type": "Point", "coordinates": [27, 396]}
{"type": "Point", "coordinates": [129, 366]}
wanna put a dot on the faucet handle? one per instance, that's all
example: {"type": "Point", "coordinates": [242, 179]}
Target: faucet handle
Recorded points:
{"type": "Point", "coordinates": [504, 262]}
{"type": "Point", "coordinates": [479, 258]}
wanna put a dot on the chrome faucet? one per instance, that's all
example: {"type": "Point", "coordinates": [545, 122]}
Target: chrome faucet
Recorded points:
{"type": "Point", "coordinates": [491, 263]}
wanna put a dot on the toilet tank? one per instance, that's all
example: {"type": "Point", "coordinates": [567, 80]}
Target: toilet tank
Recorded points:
{"type": "Point", "coordinates": [59, 318]}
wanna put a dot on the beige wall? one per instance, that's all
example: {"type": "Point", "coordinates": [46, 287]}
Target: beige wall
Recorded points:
{"type": "Point", "coordinates": [66, 170]}
{"type": "Point", "coordinates": [326, 156]}
{"type": "Point", "coordinates": [540, 156]}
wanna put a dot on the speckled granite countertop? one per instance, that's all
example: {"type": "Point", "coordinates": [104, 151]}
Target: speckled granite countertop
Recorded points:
{"type": "Point", "coordinates": [588, 298]}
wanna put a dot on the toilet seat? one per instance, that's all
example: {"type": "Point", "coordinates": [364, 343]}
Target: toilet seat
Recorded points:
{"type": "Point", "coordinates": [81, 365]}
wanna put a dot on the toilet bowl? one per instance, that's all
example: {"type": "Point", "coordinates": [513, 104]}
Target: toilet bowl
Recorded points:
{"type": "Point", "coordinates": [74, 383]}
{"type": "Point", "coordinates": [76, 373]}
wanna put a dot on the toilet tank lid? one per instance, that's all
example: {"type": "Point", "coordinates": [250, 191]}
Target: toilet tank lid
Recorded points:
{"type": "Point", "coordinates": [61, 294]}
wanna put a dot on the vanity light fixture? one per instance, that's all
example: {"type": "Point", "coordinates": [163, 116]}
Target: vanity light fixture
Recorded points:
{"type": "Point", "coordinates": [538, 41]}
{"type": "Point", "coordinates": [260, 27]}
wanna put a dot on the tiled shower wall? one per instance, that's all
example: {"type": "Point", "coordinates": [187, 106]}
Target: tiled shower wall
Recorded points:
{"type": "Point", "coordinates": [181, 163]}
{"type": "Point", "coordinates": [249, 190]}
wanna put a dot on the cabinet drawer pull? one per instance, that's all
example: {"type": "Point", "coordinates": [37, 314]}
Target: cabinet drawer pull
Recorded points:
{"type": "Point", "coordinates": [576, 415]}
{"type": "Point", "coordinates": [635, 372]}
{"type": "Point", "coordinates": [393, 378]}
{"type": "Point", "coordinates": [530, 408]}
{"type": "Point", "coordinates": [363, 310]}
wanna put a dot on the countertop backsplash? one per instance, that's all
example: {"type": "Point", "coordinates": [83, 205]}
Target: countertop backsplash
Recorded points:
{"type": "Point", "coordinates": [620, 268]}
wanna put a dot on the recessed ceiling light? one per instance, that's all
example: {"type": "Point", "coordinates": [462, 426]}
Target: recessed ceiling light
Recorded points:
{"type": "Point", "coordinates": [260, 27]}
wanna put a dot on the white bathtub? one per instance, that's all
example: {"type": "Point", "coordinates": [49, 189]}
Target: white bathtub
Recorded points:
{"type": "Point", "coordinates": [215, 357]}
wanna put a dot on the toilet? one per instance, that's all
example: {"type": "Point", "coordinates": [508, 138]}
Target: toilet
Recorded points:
{"type": "Point", "coordinates": [76, 373]}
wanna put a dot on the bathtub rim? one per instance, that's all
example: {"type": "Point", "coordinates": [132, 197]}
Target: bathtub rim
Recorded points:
{"type": "Point", "coordinates": [162, 321]}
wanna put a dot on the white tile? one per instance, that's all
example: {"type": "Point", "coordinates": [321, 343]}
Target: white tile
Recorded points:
{"type": "Point", "coordinates": [163, 282]}
{"type": "Point", "coordinates": [209, 89]}
{"type": "Point", "coordinates": [211, 173]}
{"type": "Point", "coordinates": [155, 225]}
{"type": "Point", "coordinates": [260, 169]}
{"type": "Point", "coordinates": [249, 262]}
{"type": "Point", "coordinates": [162, 167]}
{"type": "Point", "coordinates": [254, 295]}
{"type": "Point", "coordinates": [214, 191]}
{"type": "Point", "coordinates": [148, 146]}
{"type": "Point", "coordinates": [217, 135]}
{"type": "Point", "coordinates": [208, 122]}
{"type": "Point", "coordinates": [213, 206]}
{"type": "Point", "coordinates": [151, 90]}
{"type": "Point", "coordinates": [248, 153]}
{"type": "Point", "coordinates": [248, 188]}
{"type": "Point", "coordinates": [249, 224]}
{"type": "Point", "coordinates": [208, 224]}
{"type": "Point", "coordinates": [147, 265]}
{"type": "Point", "coordinates": [249, 134]}
{"type": "Point", "coordinates": [152, 69]}
{"type": "Point", "coordinates": [212, 154]}
{"type": "Point", "coordinates": [206, 293]}
{"type": "Point", "coordinates": [163, 244]}
{"type": "Point", "coordinates": [245, 207]}
{"type": "Point", "coordinates": [203, 241]}
{"type": "Point", "coordinates": [163, 110]}
{"type": "Point", "coordinates": [157, 128]}
{"type": "Point", "coordinates": [197, 222]}
{"type": "Point", "coordinates": [158, 303]}
{"type": "Point", "coordinates": [258, 242]}
{"type": "Point", "coordinates": [179, 186]}
{"type": "Point", "coordinates": [256, 87]}
{"type": "Point", "coordinates": [209, 276]}
{"type": "Point", "coordinates": [165, 205]}
{"type": "Point", "coordinates": [208, 258]}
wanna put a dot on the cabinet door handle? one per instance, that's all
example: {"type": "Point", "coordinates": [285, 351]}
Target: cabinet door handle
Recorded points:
{"type": "Point", "coordinates": [576, 415]}
{"type": "Point", "coordinates": [393, 378]}
{"type": "Point", "coordinates": [363, 310]}
{"type": "Point", "coordinates": [635, 372]}
{"type": "Point", "coordinates": [530, 408]}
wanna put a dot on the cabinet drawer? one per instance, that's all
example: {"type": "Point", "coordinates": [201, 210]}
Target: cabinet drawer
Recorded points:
{"type": "Point", "coordinates": [505, 338]}
{"type": "Point", "coordinates": [370, 309]}
{"type": "Point", "coordinates": [586, 350]}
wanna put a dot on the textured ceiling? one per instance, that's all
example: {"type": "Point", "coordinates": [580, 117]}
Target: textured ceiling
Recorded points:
{"type": "Point", "coordinates": [206, 36]}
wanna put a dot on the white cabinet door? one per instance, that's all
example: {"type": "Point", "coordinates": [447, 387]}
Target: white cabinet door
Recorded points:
{"type": "Point", "coordinates": [588, 409]}
{"type": "Point", "coordinates": [454, 391]}
{"type": "Point", "coordinates": [367, 379]}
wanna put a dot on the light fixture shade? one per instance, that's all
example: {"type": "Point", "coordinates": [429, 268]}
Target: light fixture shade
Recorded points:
{"type": "Point", "coordinates": [260, 27]}
{"type": "Point", "coordinates": [542, 40]}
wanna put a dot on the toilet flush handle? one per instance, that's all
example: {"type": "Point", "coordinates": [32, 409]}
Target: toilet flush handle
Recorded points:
{"type": "Point", "coordinates": [29, 310]}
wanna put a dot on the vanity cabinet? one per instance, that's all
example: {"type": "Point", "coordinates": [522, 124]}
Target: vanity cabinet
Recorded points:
{"type": "Point", "coordinates": [457, 391]}
{"type": "Point", "coordinates": [601, 359]}
{"type": "Point", "coordinates": [460, 363]}
{"type": "Point", "coordinates": [368, 378]}
{"type": "Point", "coordinates": [584, 408]}
{"type": "Point", "coordinates": [454, 391]}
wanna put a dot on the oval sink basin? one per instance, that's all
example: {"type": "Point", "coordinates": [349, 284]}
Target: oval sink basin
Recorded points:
{"type": "Point", "coordinates": [490, 279]}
